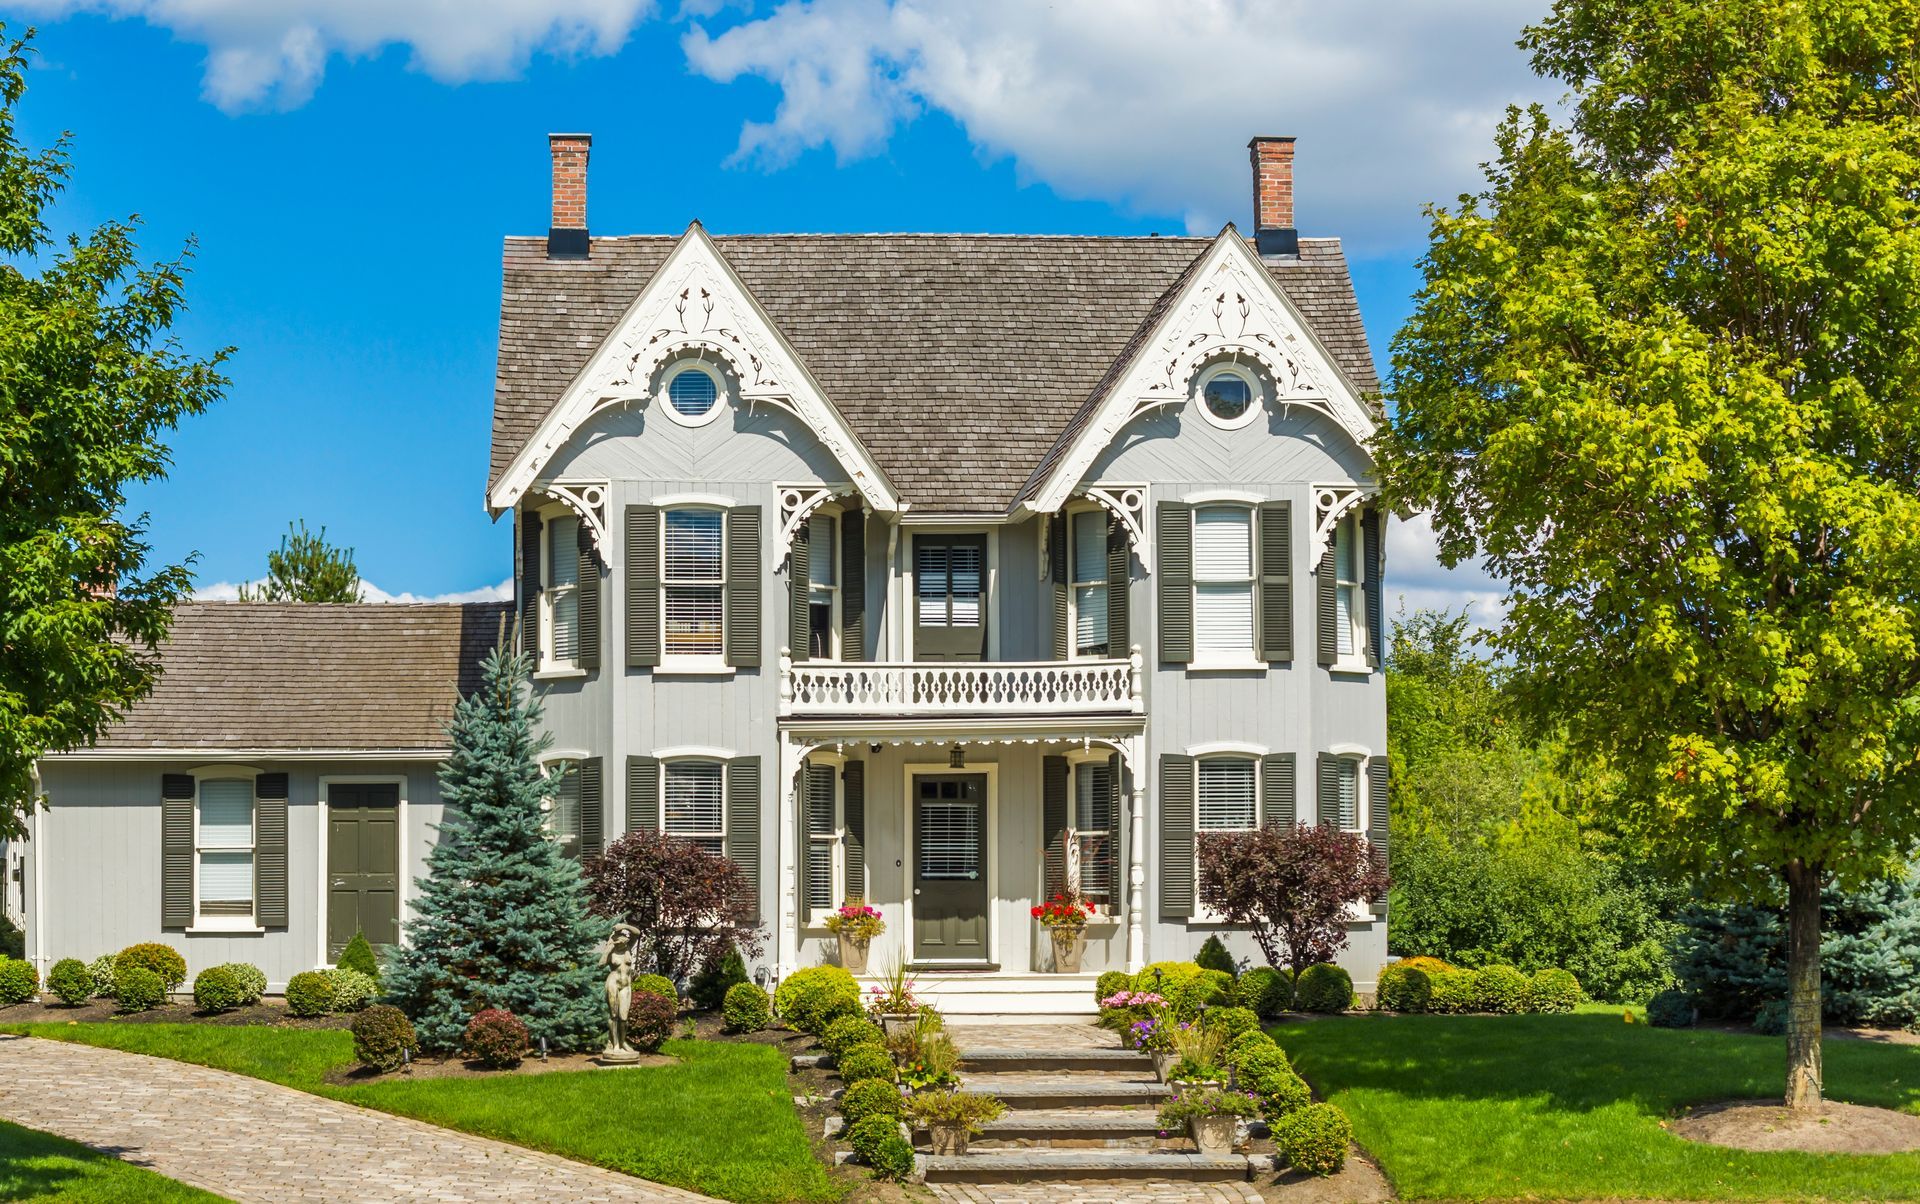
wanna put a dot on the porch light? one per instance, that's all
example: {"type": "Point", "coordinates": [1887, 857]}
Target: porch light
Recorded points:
{"type": "Point", "coordinates": [957, 759]}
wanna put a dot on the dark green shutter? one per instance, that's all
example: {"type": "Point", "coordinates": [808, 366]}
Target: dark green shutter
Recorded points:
{"type": "Point", "coordinates": [589, 593]}
{"type": "Point", "coordinates": [1174, 533]}
{"type": "Point", "coordinates": [1378, 822]}
{"type": "Point", "coordinates": [1276, 581]}
{"type": "Point", "coordinates": [743, 829]}
{"type": "Point", "coordinates": [1119, 572]}
{"type": "Point", "coordinates": [1326, 808]}
{"type": "Point", "coordinates": [593, 808]}
{"type": "Point", "coordinates": [1115, 809]}
{"type": "Point", "coordinates": [1176, 837]}
{"type": "Point", "coordinates": [1370, 542]}
{"type": "Point", "coordinates": [799, 580]}
{"type": "Point", "coordinates": [1053, 824]}
{"type": "Point", "coordinates": [1325, 609]}
{"type": "Point", "coordinates": [176, 850]}
{"type": "Point", "coordinates": [743, 587]}
{"type": "Point", "coordinates": [853, 584]}
{"type": "Point", "coordinates": [530, 579]}
{"type": "Point", "coordinates": [270, 850]}
{"type": "Point", "coordinates": [1279, 805]}
{"type": "Point", "coordinates": [853, 805]}
{"type": "Point", "coordinates": [643, 586]}
{"type": "Point", "coordinates": [1057, 554]}
{"type": "Point", "coordinates": [643, 794]}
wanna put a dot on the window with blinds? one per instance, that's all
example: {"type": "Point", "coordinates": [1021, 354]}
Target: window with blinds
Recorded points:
{"type": "Point", "coordinates": [948, 578]}
{"type": "Point", "coordinates": [693, 582]}
{"type": "Point", "coordinates": [1090, 848]}
{"type": "Point", "coordinates": [822, 838]}
{"type": "Point", "coordinates": [1350, 624]}
{"type": "Point", "coordinates": [1089, 571]}
{"type": "Point", "coordinates": [224, 848]}
{"type": "Point", "coordinates": [823, 587]}
{"type": "Point", "coordinates": [563, 819]}
{"type": "Point", "coordinates": [1225, 799]}
{"type": "Point", "coordinates": [695, 798]}
{"type": "Point", "coordinates": [1222, 583]}
{"type": "Point", "coordinates": [949, 838]}
{"type": "Point", "coordinates": [562, 593]}
{"type": "Point", "coordinates": [1347, 799]}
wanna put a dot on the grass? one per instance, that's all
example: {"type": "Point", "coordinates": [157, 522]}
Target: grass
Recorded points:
{"type": "Point", "coordinates": [1570, 1107]}
{"type": "Point", "coordinates": [721, 1122]}
{"type": "Point", "coordinates": [40, 1166]}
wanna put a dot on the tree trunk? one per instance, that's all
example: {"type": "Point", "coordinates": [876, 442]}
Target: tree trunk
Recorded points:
{"type": "Point", "coordinates": [1803, 985]}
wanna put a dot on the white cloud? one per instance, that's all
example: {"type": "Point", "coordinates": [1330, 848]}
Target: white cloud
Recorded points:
{"type": "Point", "coordinates": [1418, 581]}
{"type": "Point", "coordinates": [274, 52]}
{"type": "Point", "coordinates": [229, 591]}
{"type": "Point", "coordinates": [1150, 102]}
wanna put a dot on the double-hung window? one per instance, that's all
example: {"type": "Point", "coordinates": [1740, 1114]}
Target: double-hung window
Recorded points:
{"type": "Point", "coordinates": [563, 815]}
{"type": "Point", "coordinates": [1223, 585]}
{"type": "Point", "coordinates": [1350, 794]}
{"type": "Point", "coordinates": [823, 588]}
{"type": "Point", "coordinates": [1226, 798]}
{"type": "Point", "coordinates": [695, 796]}
{"type": "Point", "coordinates": [1090, 842]}
{"type": "Point", "coordinates": [1088, 567]}
{"type": "Point", "coordinates": [693, 580]}
{"type": "Point", "coordinates": [560, 599]}
{"type": "Point", "coordinates": [223, 840]}
{"type": "Point", "coordinates": [1349, 592]}
{"type": "Point", "coordinates": [820, 806]}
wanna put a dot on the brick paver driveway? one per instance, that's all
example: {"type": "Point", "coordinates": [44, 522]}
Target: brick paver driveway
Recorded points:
{"type": "Point", "coordinates": [250, 1140]}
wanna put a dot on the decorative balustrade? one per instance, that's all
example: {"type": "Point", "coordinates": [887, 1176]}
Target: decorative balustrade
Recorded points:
{"type": "Point", "coordinates": [933, 688]}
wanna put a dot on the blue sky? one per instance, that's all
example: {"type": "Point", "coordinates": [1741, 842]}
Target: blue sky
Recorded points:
{"type": "Point", "coordinates": [349, 168]}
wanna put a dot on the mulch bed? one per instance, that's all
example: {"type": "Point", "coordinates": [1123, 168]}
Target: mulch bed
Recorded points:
{"type": "Point", "coordinates": [102, 1011]}
{"type": "Point", "coordinates": [1833, 1128]}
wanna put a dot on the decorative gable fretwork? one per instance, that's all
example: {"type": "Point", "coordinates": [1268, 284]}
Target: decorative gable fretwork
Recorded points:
{"type": "Point", "coordinates": [588, 499]}
{"type": "Point", "coordinates": [1128, 503]}
{"type": "Point", "coordinates": [1330, 505]}
{"type": "Point", "coordinates": [798, 502]}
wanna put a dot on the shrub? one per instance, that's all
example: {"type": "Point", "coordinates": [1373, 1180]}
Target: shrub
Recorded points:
{"type": "Point", "coordinates": [71, 981]}
{"type": "Point", "coordinates": [1771, 1019]}
{"type": "Point", "coordinates": [1315, 1139]}
{"type": "Point", "coordinates": [848, 1031]}
{"type": "Point", "coordinates": [1245, 1044]}
{"type": "Point", "coordinates": [745, 1008]}
{"type": "Point", "coordinates": [866, 1062]}
{"type": "Point", "coordinates": [383, 1038]}
{"type": "Point", "coordinates": [100, 969]}
{"type": "Point", "coordinates": [1262, 1063]}
{"type": "Point", "coordinates": [496, 1038]}
{"type": "Point", "coordinates": [1403, 988]}
{"type": "Point", "coordinates": [310, 993]}
{"type": "Point", "coordinates": [1186, 987]}
{"type": "Point", "coordinates": [163, 960]}
{"type": "Point", "coordinates": [1292, 886]}
{"type": "Point", "coordinates": [683, 899]}
{"type": "Point", "coordinates": [1111, 983]}
{"type": "Point", "coordinates": [1554, 991]}
{"type": "Point", "coordinates": [1281, 1090]}
{"type": "Point", "coordinates": [19, 981]}
{"type": "Point", "coordinates": [1672, 1009]}
{"type": "Point", "coordinates": [1324, 987]}
{"type": "Point", "coordinates": [1268, 991]}
{"type": "Point", "coordinates": [1230, 1022]}
{"type": "Point", "coordinates": [892, 1160]}
{"type": "Point", "coordinates": [252, 980]}
{"type": "Point", "coordinates": [717, 976]}
{"type": "Point", "coordinates": [1501, 989]}
{"type": "Point", "coordinates": [865, 1137]}
{"type": "Point", "coordinates": [1452, 991]}
{"type": "Point", "coordinates": [815, 997]}
{"type": "Point", "coordinates": [657, 984]}
{"type": "Point", "coordinates": [1213, 955]}
{"type": "Point", "coordinates": [358, 955]}
{"type": "Point", "coordinates": [218, 989]}
{"type": "Point", "coordinates": [1426, 965]}
{"type": "Point", "coordinates": [650, 1020]}
{"type": "Point", "coordinates": [871, 1097]}
{"type": "Point", "coordinates": [352, 990]}
{"type": "Point", "coordinates": [139, 989]}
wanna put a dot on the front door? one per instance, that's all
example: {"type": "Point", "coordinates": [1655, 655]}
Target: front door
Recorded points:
{"type": "Point", "coordinates": [950, 597]}
{"type": "Point", "coordinates": [363, 863]}
{"type": "Point", "coordinates": [950, 867]}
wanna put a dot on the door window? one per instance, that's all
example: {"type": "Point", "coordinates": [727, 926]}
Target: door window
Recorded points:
{"type": "Point", "coordinates": [949, 831]}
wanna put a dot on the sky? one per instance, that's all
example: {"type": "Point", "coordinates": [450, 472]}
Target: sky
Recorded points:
{"type": "Point", "coordinates": [342, 172]}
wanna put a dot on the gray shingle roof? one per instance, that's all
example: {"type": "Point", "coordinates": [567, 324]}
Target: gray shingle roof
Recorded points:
{"type": "Point", "coordinates": [255, 675]}
{"type": "Point", "coordinates": [960, 360]}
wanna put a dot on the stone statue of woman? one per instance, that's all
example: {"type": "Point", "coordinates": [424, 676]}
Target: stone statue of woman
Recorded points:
{"type": "Point", "coordinates": [617, 956]}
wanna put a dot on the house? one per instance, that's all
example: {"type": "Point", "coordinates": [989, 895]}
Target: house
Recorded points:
{"type": "Point", "coordinates": [943, 571]}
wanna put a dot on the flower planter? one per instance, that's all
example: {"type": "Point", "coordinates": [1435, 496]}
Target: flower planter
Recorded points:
{"type": "Point", "coordinates": [1163, 1061]}
{"type": "Point", "coordinates": [897, 1024]}
{"type": "Point", "coordinates": [948, 1139]}
{"type": "Point", "coordinates": [1068, 944]}
{"type": "Point", "coordinates": [1214, 1134]}
{"type": "Point", "coordinates": [1182, 1086]}
{"type": "Point", "coordinates": [853, 955]}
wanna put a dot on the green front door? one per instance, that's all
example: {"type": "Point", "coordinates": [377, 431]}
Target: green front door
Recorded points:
{"type": "Point", "coordinates": [950, 867]}
{"type": "Point", "coordinates": [950, 597]}
{"type": "Point", "coordinates": [363, 863]}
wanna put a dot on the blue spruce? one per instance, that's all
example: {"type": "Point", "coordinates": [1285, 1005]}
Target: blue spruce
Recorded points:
{"type": "Point", "coordinates": [501, 918]}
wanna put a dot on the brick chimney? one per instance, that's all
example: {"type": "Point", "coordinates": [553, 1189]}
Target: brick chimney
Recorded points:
{"type": "Point", "coordinates": [1273, 230]}
{"type": "Point", "coordinates": [567, 236]}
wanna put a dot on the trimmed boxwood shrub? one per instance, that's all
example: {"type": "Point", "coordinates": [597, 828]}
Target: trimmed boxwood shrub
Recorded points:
{"type": "Point", "coordinates": [163, 960]}
{"type": "Point", "coordinates": [358, 955]}
{"type": "Point", "coordinates": [383, 1038]}
{"type": "Point", "coordinates": [252, 980]}
{"type": "Point", "coordinates": [1246, 1043]}
{"type": "Point", "coordinates": [1403, 988]}
{"type": "Point", "coordinates": [869, 1098]}
{"type": "Point", "coordinates": [1315, 1139]}
{"type": "Point", "coordinates": [848, 1031]}
{"type": "Point", "coordinates": [866, 1062]}
{"type": "Point", "coordinates": [218, 989]}
{"type": "Point", "coordinates": [352, 990]}
{"type": "Point", "coordinates": [865, 1138]}
{"type": "Point", "coordinates": [1266, 990]}
{"type": "Point", "coordinates": [310, 993]}
{"type": "Point", "coordinates": [1672, 1009]}
{"type": "Point", "coordinates": [1323, 987]}
{"type": "Point", "coordinates": [1501, 989]}
{"type": "Point", "coordinates": [1186, 987]}
{"type": "Point", "coordinates": [71, 981]}
{"type": "Point", "coordinates": [139, 989]}
{"type": "Point", "coordinates": [815, 997]}
{"type": "Point", "coordinates": [1230, 1022]}
{"type": "Point", "coordinates": [656, 984]}
{"type": "Point", "coordinates": [1281, 1090]}
{"type": "Point", "coordinates": [746, 1009]}
{"type": "Point", "coordinates": [1111, 983]}
{"type": "Point", "coordinates": [650, 1020]}
{"type": "Point", "coordinates": [19, 981]}
{"type": "Point", "coordinates": [892, 1160]}
{"type": "Point", "coordinates": [100, 969]}
{"type": "Point", "coordinates": [1556, 991]}
{"type": "Point", "coordinates": [495, 1038]}
{"type": "Point", "coordinates": [1451, 991]}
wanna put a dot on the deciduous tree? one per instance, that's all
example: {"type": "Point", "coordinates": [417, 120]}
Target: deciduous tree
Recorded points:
{"type": "Point", "coordinates": [683, 899]}
{"type": "Point", "coordinates": [1293, 886]}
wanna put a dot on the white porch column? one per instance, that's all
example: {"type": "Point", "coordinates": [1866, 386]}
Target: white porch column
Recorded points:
{"type": "Point", "coordinates": [787, 937]}
{"type": "Point", "coordinates": [1133, 751]}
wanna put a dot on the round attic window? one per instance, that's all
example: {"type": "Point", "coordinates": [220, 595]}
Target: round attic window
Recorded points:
{"type": "Point", "coordinates": [1229, 396]}
{"type": "Point", "coordinates": [693, 394]}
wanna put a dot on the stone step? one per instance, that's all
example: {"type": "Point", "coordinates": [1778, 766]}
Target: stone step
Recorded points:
{"type": "Point", "coordinates": [998, 1060]}
{"type": "Point", "coordinates": [1053, 1092]}
{"type": "Point", "coordinates": [1085, 1127]}
{"type": "Point", "coordinates": [1065, 1166]}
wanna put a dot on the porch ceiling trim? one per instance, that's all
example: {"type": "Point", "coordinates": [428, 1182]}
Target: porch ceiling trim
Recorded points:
{"type": "Point", "coordinates": [1040, 729]}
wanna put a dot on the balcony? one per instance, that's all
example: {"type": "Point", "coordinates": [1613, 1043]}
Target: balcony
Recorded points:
{"type": "Point", "coordinates": [1000, 689]}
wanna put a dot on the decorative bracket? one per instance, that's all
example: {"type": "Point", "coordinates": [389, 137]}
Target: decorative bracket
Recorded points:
{"type": "Point", "coordinates": [588, 499]}
{"type": "Point", "coordinates": [1128, 503]}
{"type": "Point", "coordinates": [798, 502]}
{"type": "Point", "coordinates": [1330, 505]}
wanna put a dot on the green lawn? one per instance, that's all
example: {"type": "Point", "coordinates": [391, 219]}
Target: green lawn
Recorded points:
{"type": "Point", "coordinates": [1569, 1107]}
{"type": "Point", "coordinates": [40, 1166]}
{"type": "Point", "coordinates": [721, 1122]}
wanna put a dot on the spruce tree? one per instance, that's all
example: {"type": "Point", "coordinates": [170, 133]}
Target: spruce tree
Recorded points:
{"type": "Point", "coordinates": [501, 920]}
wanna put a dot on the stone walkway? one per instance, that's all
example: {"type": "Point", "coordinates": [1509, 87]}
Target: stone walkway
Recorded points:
{"type": "Point", "coordinates": [250, 1140]}
{"type": "Point", "coordinates": [1098, 1193]}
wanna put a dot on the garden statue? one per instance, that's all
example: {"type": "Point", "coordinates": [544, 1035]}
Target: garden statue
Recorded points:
{"type": "Point", "coordinates": [617, 956]}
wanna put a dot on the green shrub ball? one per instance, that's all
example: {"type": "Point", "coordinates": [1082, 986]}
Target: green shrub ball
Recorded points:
{"type": "Point", "coordinates": [100, 969]}
{"type": "Point", "coordinates": [352, 990]}
{"type": "Point", "coordinates": [1403, 989]}
{"type": "Point", "coordinates": [1111, 983]}
{"type": "Point", "coordinates": [848, 1031]}
{"type": "Point", "coordinates": [19, 982]}
{"type": "Point", "coordinates": [383, 1038]}
{"type": "Point", "coordinates": [746, 1009]}
{"type": "Point", "coordinates": [864, 1138]}
{"type": "Point", "coordinates": [1245, 1044]}
{"type": "Point", "coordinates": [893, 1160]}
{"type": "Point", "coordinates": [656, 984]}
{"type": "Point", "coordinates": [1452, 991]}
{"type": "Point", "coordinates": [1324, 987]}
{"type": "Point", "coordinates": [1266, 990]}
{"type": "Point", "coordinates": [163, 960]}
{"type": "Point", "coordinates": [815, 997]}
{"type": "Point", "coordinates": [139, 989]}
{"type": "Point", "coordinates": [1501, 989]}
{"type": "Point", "coordinates": [218, 989]}
{"type": "Point", "coordinates": [1230, 1023]}
{"type": "Point", "coordinates": [310, 993]}
{"type": "Point", "coordinates": [869, 1098]}
{"type": "Point", "coordinates": [1186, 987]}
{"type": "Point", "coordinates": [71, 981]}
{"type": "Point", "coordinates": [1315, 1139]}
{"type": "Point", "coordinates": [252, 979]}
{"type": "Point", "coordinates": [864, 1062]}
{"type": "Point", "coordinates": [1554, 991]}
{"type": "Point", "coordinates": [1672, 1009]}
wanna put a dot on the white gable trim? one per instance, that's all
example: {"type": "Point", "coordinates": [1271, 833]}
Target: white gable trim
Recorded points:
{"type": "Point", "coordinates": [1230, 309]}
{"type": "Point", "coordinates": [694, 305]}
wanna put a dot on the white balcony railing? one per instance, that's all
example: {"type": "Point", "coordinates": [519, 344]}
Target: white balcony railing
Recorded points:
{"type": "Point", "coordinates": [900, 688]}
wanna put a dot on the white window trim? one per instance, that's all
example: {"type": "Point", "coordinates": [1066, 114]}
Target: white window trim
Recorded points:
{"type": "Point", "coordinates": [1348, 525]}
{"type": "Point", "coordinates": [550, 666]}
{"type": "Point", "coordinates": [1235, 659]}
{"type": "Point", "coordinates": [834, 634]}
{"type": "Point", "coordinates": [403, 888]}
{"type": "Point", "coordinates": [562, 763]}
{"type": "Point", "coordinates": [227, 924]}
{"type": "Point", "coordinates": [1358, 911]}
{"type": "Point", "coordinates": [714, 664]}
{"type": "Point", "coordinates": [910, 587]}
{"type": "Point", "coordinates": [1109, 913]}
{"type": "Point", "coordinates": [1219, 751]}
{"type": "Point", "coordinates": [674, 757]}
{"type": "Point", "coordinates": [722, 396]}
{"type": "Point", "coordinates": [1256, 404]}
{"type": "Point", "coordinates": [816, 917]}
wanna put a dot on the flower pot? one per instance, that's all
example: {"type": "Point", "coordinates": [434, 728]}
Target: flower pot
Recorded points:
{"type": "Point", "coordinates": [1213, 1134]}
{"type": "Point", "coordinates": [1182, 1086]}
{"type": "Point", "coordinates": [897, 1024]}
{"type": "Point", "coordinates": [853, 955]}
{"type": "Point", "coordinates": [948, 1139]}
{"type": "Point", "coordinates": [1068, 944]}
{"type": "Point", "coordinates": [1162, 1063]}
